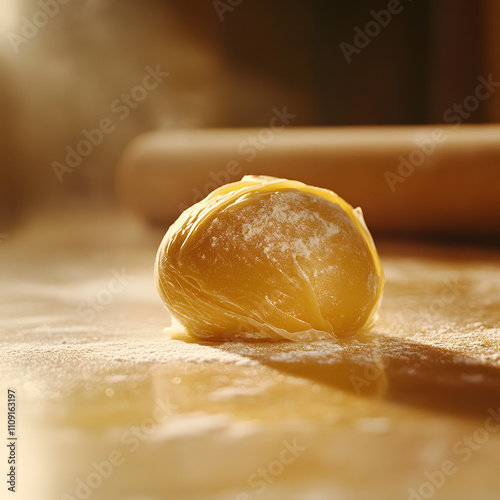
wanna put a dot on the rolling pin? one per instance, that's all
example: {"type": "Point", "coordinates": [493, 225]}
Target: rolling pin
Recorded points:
{"type": "Point", "coordinates": [432, 180]}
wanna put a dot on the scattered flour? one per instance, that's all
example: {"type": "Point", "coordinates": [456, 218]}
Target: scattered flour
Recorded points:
{"type": "Point", "coordinates": [276, 228]}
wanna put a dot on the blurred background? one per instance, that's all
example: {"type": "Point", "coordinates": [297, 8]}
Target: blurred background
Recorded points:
{"type": "Point", "coordinates": [66, 66]}
{"type": "Point", "coordinates": [81, 79]}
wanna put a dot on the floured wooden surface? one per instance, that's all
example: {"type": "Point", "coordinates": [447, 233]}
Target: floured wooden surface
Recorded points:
{"type": "Point", "coordinates": [370, 417]}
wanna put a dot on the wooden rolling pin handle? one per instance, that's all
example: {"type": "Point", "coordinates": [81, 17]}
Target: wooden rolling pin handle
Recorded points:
{"type": "Point", "coordinates": [432, 179]}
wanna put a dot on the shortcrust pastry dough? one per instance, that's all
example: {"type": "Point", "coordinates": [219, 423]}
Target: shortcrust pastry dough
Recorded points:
{"type": "Point", "coordinates": [268, 258]}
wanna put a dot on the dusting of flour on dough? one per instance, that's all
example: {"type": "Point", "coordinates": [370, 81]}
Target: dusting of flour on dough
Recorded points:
{"type": "Point", "coordinates": [286, 212]}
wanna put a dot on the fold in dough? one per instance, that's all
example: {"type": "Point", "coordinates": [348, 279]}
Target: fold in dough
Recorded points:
{"type": "Point", "coordinates": [268, 258]}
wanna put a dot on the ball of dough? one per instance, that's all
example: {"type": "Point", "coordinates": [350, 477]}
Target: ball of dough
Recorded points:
{"type": "Point", "coordinates": [268, 258]}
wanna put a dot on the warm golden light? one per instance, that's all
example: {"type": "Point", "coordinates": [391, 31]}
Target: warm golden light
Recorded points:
{"type": "Point", "coordinates": [8, 15]}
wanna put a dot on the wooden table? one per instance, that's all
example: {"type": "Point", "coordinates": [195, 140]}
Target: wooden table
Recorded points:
{"type": "Point", "coordinates": [110, 408]}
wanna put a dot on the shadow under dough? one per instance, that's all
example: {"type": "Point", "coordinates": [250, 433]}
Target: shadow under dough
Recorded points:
{"type": "Point", "coordinates": [392, 368]}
